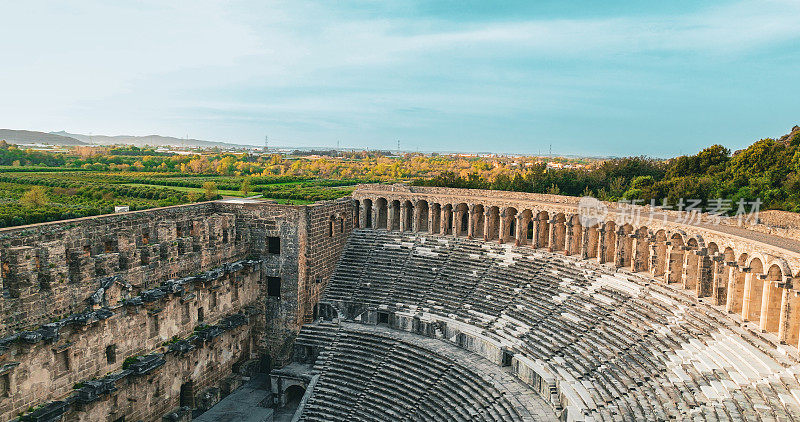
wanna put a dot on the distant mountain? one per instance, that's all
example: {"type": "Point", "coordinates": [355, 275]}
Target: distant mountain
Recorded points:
{"type": "Point", "coordinates": [31, 137]}
{"type": "Point", "coordinates": [151, 140]}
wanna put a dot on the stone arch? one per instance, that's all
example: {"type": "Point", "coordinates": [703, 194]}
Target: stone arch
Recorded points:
{"type": "Point", "coordinates": [753, 290]}
{"type": "Point", "coordinates": [641, 252]}
{"type": "Point", "coordinates": [421, 216]}
{"type": "Point", "coordinates": [394, 215]}
{"type": "Point", "coordinates": [709, 274]}
{"type": "Point", "coordinates": [736, 285]}
{"type": "Point", "coordinates": [609, 246]}
{"type": "Point", "coordinates": [660, 249]}
{"type": "Point", "coordinates": [357, 213]}
{"type": "Point", "coordinates": [435, 213]}
{"type": "Point", "coordinates": [461, 219]}
{"type": "Point", "coordinates": [508, 224]}
{"type": "Point", "coordinates": [381, 213]}
{"type": "Point", "coordinates": [366, 221]}
{"type": "Point", "coordinates": [724, 265]}
{"type": "Point", "coordinates": [624, 246]}
{"type": "Point", "coordinates": [675, 263]}
{"type": "Point", "coordinates": [559, 233]}
{"type": "Point", "coordinates": [493, 223]}
{"type": "Point", "coordinates": [526, 221]}
{"type": "Point", "coordinates": [691, 264]}
{"type": "Point", "coordinates": [592, 241]}
{"type": "Point", "coordinates": [447, 219]}
{"type": "Point", "coordinates": [771, 300]}
{"type": "Point", "coordinates": [542, 229]}
{"type": "Point", "coordinates": [575, 235]}
{"type": "Point", "coordinates": [407, 216]}
{"type": "Point", "coordinates": [477, 222]}
{"type": "Point", "coordinates": [331, 226]}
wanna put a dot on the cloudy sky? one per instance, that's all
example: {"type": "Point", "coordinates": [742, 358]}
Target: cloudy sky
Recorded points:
{"type": "Point", "coordinates": [607, 78]}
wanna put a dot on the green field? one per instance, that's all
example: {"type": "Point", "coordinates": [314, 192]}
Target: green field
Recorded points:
{"type": "Point", "coordinates": [39, 194]}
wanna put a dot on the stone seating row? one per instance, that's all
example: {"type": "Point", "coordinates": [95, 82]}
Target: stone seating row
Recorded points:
{"type": "Point", "coordinates": [369, 377]}
{"type": "Point", "coordinates": [618, 351]}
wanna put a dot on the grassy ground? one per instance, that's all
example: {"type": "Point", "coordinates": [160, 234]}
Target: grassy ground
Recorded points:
{"type": "Point", "coordinates": [224, 192]}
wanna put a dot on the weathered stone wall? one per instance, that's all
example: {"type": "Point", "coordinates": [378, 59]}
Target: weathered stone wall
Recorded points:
{"type": "Point", "coordinates": [49, 270]}
{"type": "Point", "coordinates": [142, 281]}
{"type": "Point", "coordinates": [88, 348]}
{"type": "Point", "coordinates": [328, 226]}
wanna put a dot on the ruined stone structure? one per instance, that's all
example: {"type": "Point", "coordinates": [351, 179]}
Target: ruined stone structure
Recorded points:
{"type": "Point", "coordinates": [611, 321]}
{"type": "Point", "coordinates": [750, 276]}
{"type": "Point", "coordinates": [400, 303]}
{"type": "Point", "coordinates": [134, 315]}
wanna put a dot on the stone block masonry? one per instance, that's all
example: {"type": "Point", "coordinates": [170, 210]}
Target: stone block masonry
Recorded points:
{"type": "Point", "coordinates": [191, 290]}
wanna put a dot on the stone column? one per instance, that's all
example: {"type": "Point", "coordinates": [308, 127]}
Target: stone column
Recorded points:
{"type": "Point", "coordinates": [416, 217]}
{"type": "Point", "coordinates": [748, 283]}
{"type": "Point", "coordinates": [403, 216]}
{"type": "Point", "coordinates": [362, 215]}
{"type": "Point", "coordinates": [638, 262]}
{"type": "Point", "coordinates": [585, 243]}
{"type": "Point", "coordinates": [653, 258]}
{"type": "Point", "coordinates": [705, 275]}
{"type": "Point", "coordinates": [619, 249]}
{"type": "Point", "coordinates": [456, 222]}
{"type": "Point", "coordinates": [667, 261]}
{"type": "Point", "coordinates": [788, 311]}
{"type": "Point", "coordinates": [502, 232]}
{"type": "Point", "coordinates": [485, 224]}
{"type": "Point", "coordinates": [568, 237]}
{"type": "Point", "coordinates": [518, 234]}
{"type": "Point", "coordinates": [431, 218]}
{"type": "Point", "coordinates": [718, 283]}
{"type": "Point", "coordinates": [732, 275]}
{"type": "Point", "coordinates": [536, 229]}
{"type": "Point", "coordinates": [389, 216]}
{"type": "Point", "coordinates": [471, 221]}
{"type": "Point", "coordinates": [601, 245]}
{"type": "Point", "coordinates": [443, 220]}
{"type": "Point", "coordinates": [767, 285]}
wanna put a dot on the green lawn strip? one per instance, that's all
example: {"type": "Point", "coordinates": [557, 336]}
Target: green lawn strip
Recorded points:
{"type": "Point", "coordinates": [222, 192]}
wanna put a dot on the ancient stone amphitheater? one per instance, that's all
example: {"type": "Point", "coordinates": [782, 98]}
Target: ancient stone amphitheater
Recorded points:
{"type": "Point", "coordinates": [401, 303]}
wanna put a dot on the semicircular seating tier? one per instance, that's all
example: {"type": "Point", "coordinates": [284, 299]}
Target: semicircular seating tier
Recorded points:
{"type": "Point", "coordinates": [596, 343]}
{"type": "Point", "coordinates": [368, 373]}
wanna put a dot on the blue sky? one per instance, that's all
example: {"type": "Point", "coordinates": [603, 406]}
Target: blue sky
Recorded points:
{"type": "Point", "coordinates": [589, 78]}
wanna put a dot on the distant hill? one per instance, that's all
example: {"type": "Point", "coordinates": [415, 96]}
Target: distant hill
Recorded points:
{"type": "Point", "coordinates": [151, 140]}
{"type": "Point", "coordinates": [32, 137]}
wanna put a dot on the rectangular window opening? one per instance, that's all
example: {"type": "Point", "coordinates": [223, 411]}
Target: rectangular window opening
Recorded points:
{"type": "Point", "coordinates": [274, 245]}
{"type": "Point", "coordinates": [274, 287]}
{"type": "Point", "coordinates": [111, 354]}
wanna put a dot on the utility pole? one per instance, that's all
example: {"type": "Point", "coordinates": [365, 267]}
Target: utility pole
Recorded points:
{"type": "Point", "coordinates": [266, 143]}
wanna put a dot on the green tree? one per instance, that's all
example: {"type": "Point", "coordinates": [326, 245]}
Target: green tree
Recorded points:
{"type": "Point", "coordinates": [246, 188]}
{"type": "Point", "coordinates": [210, 190]}
{"type": "Point", "coordinates": [34, 197]}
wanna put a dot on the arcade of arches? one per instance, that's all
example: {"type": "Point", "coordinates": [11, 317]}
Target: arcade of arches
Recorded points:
{"type": "Point", "coordinates": [756, 286]}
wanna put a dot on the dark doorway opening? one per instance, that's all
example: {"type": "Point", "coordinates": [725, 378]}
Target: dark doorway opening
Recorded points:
{"type": "Point", "coordinates": [274, 287]}
{"type": "Point", "coordinates": [507, 356]}
{"type": "Point", "coordinates": [187, 394]}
